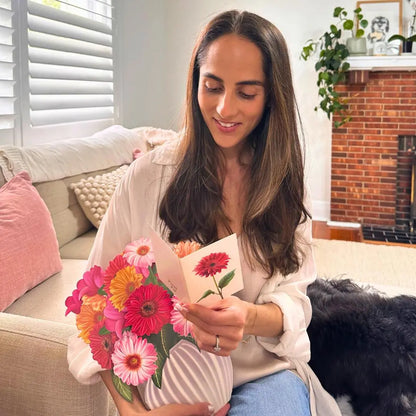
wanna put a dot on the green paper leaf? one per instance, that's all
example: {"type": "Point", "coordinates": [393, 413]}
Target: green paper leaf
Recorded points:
{"type": "Point", "coordinates": [152, 279]}
{"type": "Point", "coordinates": [191, 340]}
{"type": "Point", "coordinates": [104, 331]}
{"type": "Point", "coordinates": [101, 291]}
{"type": "Point", "coordinates": [123, 388]}
{"type": "Point", "coordinates": [226, 279]}
{"type": "Point", "coordinates": [206, 293]}
{"type": "Point", "coordinates": [157, 375]}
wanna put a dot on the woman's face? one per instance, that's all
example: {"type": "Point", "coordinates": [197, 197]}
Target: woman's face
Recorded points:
{"type": "Point", "coordinates": [231, 90]}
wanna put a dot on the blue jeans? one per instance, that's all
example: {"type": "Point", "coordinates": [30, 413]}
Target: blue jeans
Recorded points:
{"type": "Point", "coordinates": [279, 394]}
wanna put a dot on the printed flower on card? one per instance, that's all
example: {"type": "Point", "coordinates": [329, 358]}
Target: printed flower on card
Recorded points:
{"type": "Point", "coordinates": [125, 314]}
{"type": "Point", "coordinates": [180, 325]}
{"type": "Point", "coordinates": [148, 309]}
{"type": "Point", "coordinates": [183, 248]}
{"type": "Point", "coordinates": [91, 313]}
{"type": "Point", "coordinates": [211, 265]}
{"type": "Point", "coordinates": [134, 359]}
{"type": "Point", "coordinates": [140, 253]}
{"type": "Point", "coordinates": [114, 266]}
{"type": "Point", "coordinates": [125, 282]}
{"type": "Point", "coordinates": [114, 319]}
{"type": "Point", "coordinates": [102, 345]}
{"type": "Point", "coordinates": [92, 280]}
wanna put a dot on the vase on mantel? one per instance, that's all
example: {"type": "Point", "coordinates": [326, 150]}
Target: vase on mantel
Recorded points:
{"type": "Point", "coordinates": [357, 46]}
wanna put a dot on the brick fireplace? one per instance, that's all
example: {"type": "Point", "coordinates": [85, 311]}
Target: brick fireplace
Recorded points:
{"type": "Point", "coordinates": [371, 161]}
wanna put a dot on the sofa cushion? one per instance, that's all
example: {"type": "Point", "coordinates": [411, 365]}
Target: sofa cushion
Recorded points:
{"type": "Point", "coordinates": [28, 245]}
{"type": "Point", "coordinates": [94, 193]}
{"type": "Point", "coordinates": [47, 300]}
{"type": "Point", "coordinates": [80, 247]}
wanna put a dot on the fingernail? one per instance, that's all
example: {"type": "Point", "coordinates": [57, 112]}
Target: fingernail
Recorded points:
{"type": "Point", "coordinates": [211, 409]}
{"type": "Point", "coordinates": [180, 308]}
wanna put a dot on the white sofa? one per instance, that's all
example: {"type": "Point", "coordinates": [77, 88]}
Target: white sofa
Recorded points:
{"type": "Point", "coordinates": [35, 380]}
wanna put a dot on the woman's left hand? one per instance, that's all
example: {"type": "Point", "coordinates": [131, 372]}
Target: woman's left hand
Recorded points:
{"type": "Point", "coordinates": [228, 319]}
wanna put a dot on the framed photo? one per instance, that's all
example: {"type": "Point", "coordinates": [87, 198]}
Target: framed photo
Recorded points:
{"type": "Point", "coordinates": [384, 20]}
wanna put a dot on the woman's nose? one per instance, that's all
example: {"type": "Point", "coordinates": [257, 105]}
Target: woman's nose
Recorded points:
{"type": "Point", "coordinates": [226, 106]}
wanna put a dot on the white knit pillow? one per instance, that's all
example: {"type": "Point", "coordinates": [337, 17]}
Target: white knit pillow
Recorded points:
{"type": "Point", "coordinates": [94, 193]}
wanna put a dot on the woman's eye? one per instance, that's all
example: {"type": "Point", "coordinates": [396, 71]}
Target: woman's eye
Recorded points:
{"type": "Point", "coordinates": [247, 96]}
{"type": "Point", "coordinates": [212, 89]}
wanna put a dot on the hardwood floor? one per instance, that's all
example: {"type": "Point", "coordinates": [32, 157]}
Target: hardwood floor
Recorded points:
{"type": "Point", "coordinates": [340, 231]}
{"type": "Point", "coordinates": [332, 231]}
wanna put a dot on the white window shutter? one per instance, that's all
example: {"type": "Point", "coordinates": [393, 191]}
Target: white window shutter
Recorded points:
{"type": "Point", "coordinates": [7, 73]}
{"type": "Point", "coordinates": [70, 69]}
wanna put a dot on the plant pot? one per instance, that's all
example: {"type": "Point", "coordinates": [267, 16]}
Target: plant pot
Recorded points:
{"type": "Point", "coordinates": [357, 46]}
{"type": "Point", "coordinates": [191, 376]}
{"type": "Point", "coordinates": [407, 47]}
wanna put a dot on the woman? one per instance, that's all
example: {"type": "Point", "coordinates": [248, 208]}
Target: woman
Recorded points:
{"type": "Point", "coordinates": [237, 169]}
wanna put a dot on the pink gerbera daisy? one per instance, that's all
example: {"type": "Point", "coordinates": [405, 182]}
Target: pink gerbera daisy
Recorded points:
{"type": "Point", "coordinates": [91, 281]}
{"type": "Point", "coordinates": [134, 359]}
{"type": "Point", "coordinates": [212, 264]}
{"type": "Point", "coordinates": [140, 253]}
{"type": "Point", "coordinates": [102, 346]}
{"type": "Point", "coordinates": [148, 309]}
{"type": "Point", "coordinates": [114, 319]}
{"type": "Point", "coordinates": [180, 325]}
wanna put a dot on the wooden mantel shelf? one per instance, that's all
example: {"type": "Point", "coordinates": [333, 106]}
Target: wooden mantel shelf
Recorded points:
{"type": "Point", "coordinates": [383, 63]}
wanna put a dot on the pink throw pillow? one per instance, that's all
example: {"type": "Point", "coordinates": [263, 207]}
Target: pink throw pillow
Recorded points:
{"type": "Point", "coordinates": [29, 251]}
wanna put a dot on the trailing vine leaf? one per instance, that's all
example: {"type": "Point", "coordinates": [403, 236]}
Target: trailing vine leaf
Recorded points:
{"type": "Point", "coordinates": [331, 65]}
{"type": "Point", "coordinates": [226, 279]}
{"type": "Point", "coordinates": [123, 388]}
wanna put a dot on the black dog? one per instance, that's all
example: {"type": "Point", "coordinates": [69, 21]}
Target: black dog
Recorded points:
{"type": "Point", "coordinates": [363, 345]}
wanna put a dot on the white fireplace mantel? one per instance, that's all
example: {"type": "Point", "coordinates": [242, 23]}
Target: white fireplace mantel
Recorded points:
{"type": "Point", "coordinates": [383, 63]}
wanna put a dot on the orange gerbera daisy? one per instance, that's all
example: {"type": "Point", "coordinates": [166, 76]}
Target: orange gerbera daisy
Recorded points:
{"type": "Point", "coordinates": [183, 248]}
{"type": "Point", "coordinates": [92, 312]}
{"type": "Point", "coordinates": [125, 282]}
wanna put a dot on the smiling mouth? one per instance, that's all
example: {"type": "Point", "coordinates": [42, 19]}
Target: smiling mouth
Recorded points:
{"type": "Point", "coordinates": [226, 125]}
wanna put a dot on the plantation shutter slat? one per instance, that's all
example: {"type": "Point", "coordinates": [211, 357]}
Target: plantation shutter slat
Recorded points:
{"type": "Point", "coordinates": [70, 63]}
{"type": "Point", "coordinates": [7, 75]}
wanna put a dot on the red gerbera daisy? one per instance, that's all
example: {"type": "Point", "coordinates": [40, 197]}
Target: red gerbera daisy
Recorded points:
{"type": "Point", "coordinates": [148, 309]}
{"type": "Point", "coordinates": [212, 264]}
{"type": "Point", "coordinates": [102, 346]}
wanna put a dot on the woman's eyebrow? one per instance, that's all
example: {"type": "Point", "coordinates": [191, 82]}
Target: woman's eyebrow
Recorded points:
{"type": "Point", "coordinates": [248, 82]}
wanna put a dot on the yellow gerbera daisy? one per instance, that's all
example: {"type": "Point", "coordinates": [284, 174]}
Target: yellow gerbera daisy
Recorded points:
{"type": "Point", "coordinates": [92, 312]}
{"type": "Point", "coordinates": [125, 282]}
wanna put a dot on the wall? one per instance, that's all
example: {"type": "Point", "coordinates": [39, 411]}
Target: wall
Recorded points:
{"type": "Point", "coordinates": [157, 38]}
{"type": "Point", "coordinates": [365, 151]}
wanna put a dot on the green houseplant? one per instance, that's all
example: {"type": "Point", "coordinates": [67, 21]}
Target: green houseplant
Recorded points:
{"type": "Point", "coordinates": [406, 42]}
{"type": "Point", "coordinates": [331, 65]}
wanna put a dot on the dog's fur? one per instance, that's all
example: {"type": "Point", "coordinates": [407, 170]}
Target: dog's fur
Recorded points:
{"type": "Point", "coordinates": [363, 345]}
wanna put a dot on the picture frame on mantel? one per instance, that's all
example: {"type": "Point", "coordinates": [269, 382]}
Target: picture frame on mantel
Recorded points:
{"type": "Point", "coordinates": [384, 20]}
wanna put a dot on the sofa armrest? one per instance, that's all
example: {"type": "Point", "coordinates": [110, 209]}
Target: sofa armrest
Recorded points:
{"type": "Point", "coordinates": [35, 380]}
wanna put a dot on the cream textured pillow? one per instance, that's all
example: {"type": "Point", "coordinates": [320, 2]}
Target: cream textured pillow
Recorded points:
{"type": "Point", "coordinates": [94, 193]}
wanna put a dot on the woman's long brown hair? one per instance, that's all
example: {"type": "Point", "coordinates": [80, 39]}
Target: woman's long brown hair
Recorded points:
{"type": "Point", "coordinates": [192, 205]}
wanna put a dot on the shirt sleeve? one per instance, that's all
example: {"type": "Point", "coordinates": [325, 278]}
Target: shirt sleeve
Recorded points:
{"type": "Point", "coordinates": [290, 295]}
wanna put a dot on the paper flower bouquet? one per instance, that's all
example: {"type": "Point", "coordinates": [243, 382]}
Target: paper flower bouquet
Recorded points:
{"type": "Point", "coordinates": [127, 315]}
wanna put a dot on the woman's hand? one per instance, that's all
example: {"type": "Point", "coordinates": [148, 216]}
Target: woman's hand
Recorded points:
{"type": "Point", "coordinates": [228, 319]}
